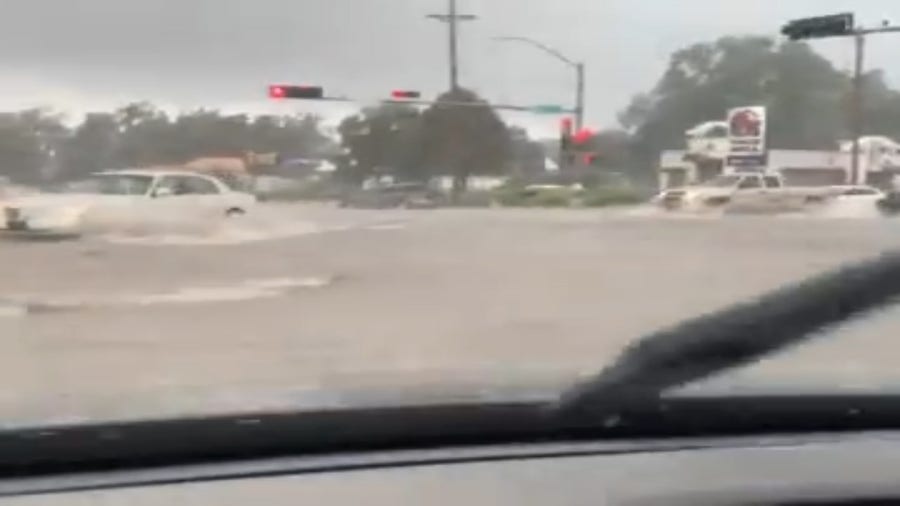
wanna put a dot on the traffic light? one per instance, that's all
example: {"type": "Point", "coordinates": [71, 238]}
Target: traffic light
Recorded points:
{"type": "Point", "coordinates": [565, 134]}
{"type": "Point", "coordinates": [822, 26]}
{"type": "Point", "coordinates": [279, 91]}
{"type": "Point", "coordinates": [401, 94]}
{"type": "Point", "coordinates": [583, 136]}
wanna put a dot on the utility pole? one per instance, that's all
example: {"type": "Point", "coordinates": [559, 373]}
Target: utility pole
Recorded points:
{"type": "Point", "coordinates": [452, 18]}
{"type": "Point", "coordinates": [453, 44]}
{"type": "Point", "coordinates": [856, 104]}
{"type": "Point", "coordinates": [579, 95]}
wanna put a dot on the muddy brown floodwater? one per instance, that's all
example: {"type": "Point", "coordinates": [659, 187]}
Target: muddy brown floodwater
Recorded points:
{"type": "Point", "coordinates": [280, 308]}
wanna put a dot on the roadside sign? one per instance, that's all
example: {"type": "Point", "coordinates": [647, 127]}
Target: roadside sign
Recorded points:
{"type": "Point", "coordinates": [548, 109]}
{"type": "Point", "coordinates": [747, 136]}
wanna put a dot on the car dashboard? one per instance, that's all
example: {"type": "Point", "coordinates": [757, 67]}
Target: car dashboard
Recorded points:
{"type": "Point", "coordinates": [787, 469]}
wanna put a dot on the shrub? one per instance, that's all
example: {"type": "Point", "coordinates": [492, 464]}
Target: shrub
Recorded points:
{"type": "Point", "coordinates": [472, 198]}
{"type": "Point", "coordinates": [551, 197]}
{"type": "Point", "coordinates": [512, 195]}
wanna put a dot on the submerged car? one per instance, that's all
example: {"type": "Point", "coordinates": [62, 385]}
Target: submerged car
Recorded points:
{"type": "Point", "coordinates": [124, 197]}
{"type": "Point", "coordinates": [850, 201]}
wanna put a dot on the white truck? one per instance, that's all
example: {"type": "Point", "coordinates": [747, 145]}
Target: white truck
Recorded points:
{"type": "Point", "coordinates": [756, 193]}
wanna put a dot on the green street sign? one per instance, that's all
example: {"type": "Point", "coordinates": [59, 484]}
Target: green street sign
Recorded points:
{"type": "Point", "coordinates": [548, 109]}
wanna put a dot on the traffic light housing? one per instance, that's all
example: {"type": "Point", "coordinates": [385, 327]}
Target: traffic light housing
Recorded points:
{"type": "Point", "coordinates": [279, 91]}
{"type": "Point", "coordinates": [565, 134]}
{"type": "Point", "coordinates": [407, 94]}
{"type": "Point", "coordinates": [834, 25]}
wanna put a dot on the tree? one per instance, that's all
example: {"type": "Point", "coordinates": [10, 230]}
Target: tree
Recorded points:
{"type": "Point", "coordinates": [145, 136]}
{"type": "Point", "coordinates": [465, 140]}
{"type": "Point", "coordinates": [612, 149]}
{"type": "Point", "coordinates": [29, 142]}
{"type": "Point", "coordinates": [387, 139]}
{"type": "Point", "coordinates": [91, 147]}
{"type": "Point", "coordinates": [804, 93]}
{"type": "Point", "coordinates": [291, 136]}
{"type": "Point", "coordinates": [34, 143]}
{"type": "Point", "coordinates": [881, 106]}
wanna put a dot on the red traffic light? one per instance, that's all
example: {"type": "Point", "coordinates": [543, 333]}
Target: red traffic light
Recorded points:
{"type": "Point", "coordinates": [582, 136]}
{"type": "Point", "coordinates": [293, 91]}
{"type": "Point", "coordinates": [405, 94]}
{"type": "Point", "coordinates": [565, 126]}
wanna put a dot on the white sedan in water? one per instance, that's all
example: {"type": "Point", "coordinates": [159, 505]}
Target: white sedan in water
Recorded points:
{"type": "Point", "coordinates": [125, 198]}
{"type": "Point", "coordinates": [850, 201]}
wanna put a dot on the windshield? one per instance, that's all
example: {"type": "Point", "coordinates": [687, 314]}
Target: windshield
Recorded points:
{"type": "Point", "coordinates": [112, 184]}
{"type": "Point", "coordinates": [346, 214]}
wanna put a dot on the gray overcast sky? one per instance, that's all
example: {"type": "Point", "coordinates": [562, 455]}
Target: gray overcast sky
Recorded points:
{"type": "Point", "coordinates": [90, 54]}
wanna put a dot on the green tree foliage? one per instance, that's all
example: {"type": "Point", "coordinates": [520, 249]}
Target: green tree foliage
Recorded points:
{"type": "Point", "coordinates": [444, 139]}
{"type": "Point", "coordinates": [465, 140]}
{"type": "Point", "coordinates": [140, 134]}
{"type": "Point", "coordinates": [384, 139]}
{"type": "Point", "coordinates": [881, 106]}
{"type": "Point", "coordinates": [805, 95]}
{"type": "Point", "coordinates": [29, 141]}
{"type": "Point", "coordinates": [91, 146]}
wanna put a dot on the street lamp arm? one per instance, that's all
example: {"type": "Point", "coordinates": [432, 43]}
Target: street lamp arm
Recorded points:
{"type": "Point", "coordinates": [543, 47]}
{"type": "Point", "coordinates": [577, 66]}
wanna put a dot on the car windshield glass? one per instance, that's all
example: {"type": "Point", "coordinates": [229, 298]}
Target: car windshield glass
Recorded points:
{"type": "Point", "coordinates": [231, 206]}
{"type": "Point", "coordinates": [112, 184]}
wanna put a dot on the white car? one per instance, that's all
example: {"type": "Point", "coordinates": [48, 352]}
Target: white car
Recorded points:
{"type": "Point", "coordinates": [124, 198]}
{"type": "Point", "coordinates": [851, 201]}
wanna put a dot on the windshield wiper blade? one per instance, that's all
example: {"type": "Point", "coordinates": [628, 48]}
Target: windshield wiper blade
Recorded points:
{"type": "Point", "coordinates": [701, 347]}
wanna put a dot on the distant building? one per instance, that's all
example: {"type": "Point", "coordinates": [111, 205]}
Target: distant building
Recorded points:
{"type": "Point", "coordinates": [707, 148]}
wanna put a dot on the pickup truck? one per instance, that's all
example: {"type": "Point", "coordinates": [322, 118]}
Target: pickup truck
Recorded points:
{"type": "Point", "coordinates": [760, 192]}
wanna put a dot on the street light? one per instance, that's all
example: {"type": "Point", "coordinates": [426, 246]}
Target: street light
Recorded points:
{"type": "Point", "coordinates": [577, 66]}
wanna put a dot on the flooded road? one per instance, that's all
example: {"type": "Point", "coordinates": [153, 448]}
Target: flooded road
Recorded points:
{"type": "Point", "coordinates": [271, 309]}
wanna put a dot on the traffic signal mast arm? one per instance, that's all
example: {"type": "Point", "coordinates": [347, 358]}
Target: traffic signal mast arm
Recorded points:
{"type": "Point", "coordinates": [834, 25]}
{"type": "Point", "coordinates": [842, 25]}
{"type": "Point", "coordinates": [285, 91]}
